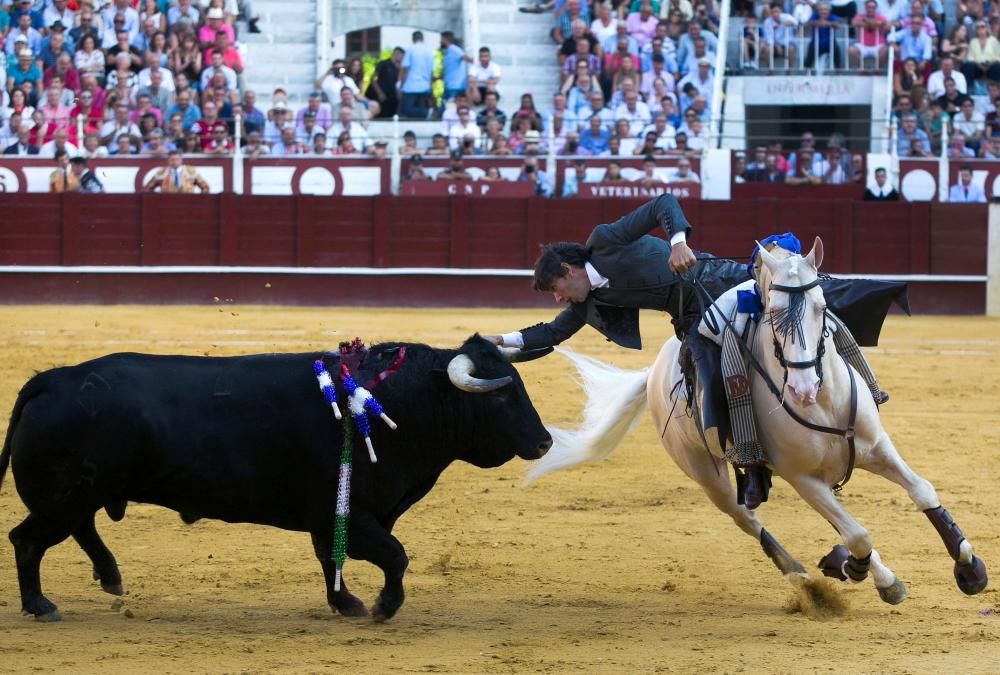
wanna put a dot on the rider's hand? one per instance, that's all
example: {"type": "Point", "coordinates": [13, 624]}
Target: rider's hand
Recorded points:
{"type": "Point", "coordinates": [681, 258]}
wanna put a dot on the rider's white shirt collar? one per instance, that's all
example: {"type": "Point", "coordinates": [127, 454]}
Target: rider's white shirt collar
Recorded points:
{"type": "Point", "coordinates": [596, 280]}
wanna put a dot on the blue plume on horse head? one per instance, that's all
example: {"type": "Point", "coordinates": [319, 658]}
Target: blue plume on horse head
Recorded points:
{"type": "Point", "coordinates": [787, 241]}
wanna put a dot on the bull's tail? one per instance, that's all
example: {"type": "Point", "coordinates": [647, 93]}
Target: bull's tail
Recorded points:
{"type": "Point", "coordinates": [615, 400]}
{"type": "Point", "coordinates": [29, 391]}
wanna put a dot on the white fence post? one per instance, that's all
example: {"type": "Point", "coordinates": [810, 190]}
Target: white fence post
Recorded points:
{"type": "Point", "coordinates": [993, 262]}
{"type": "Point", "coordinates": [238, 157]}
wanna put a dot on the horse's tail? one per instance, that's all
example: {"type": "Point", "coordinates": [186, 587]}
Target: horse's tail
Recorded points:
{"type": "Point", "coordinates": [615, 400]}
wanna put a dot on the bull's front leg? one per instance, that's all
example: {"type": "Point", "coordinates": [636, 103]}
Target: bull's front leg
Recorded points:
{"type": "Point", "coordinates": [369, 540]}
{"type": "Point", "coordinates": [342, 601]}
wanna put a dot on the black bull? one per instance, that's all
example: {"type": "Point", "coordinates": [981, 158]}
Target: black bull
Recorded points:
{"type": "Point", "coordinates": [251, 439]}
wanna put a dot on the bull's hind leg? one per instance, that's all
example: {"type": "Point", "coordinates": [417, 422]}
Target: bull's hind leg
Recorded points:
{"type": "Point", "coordinates": [859, 558]}
{"type": "Point", "coordinates": [105, 566]}
{"type": "Point", "coordinates": [884, 460]}
{"type": "Point", "coordinates": [31, 539]}
{"type": "Point", "coordinates": [341, 601]}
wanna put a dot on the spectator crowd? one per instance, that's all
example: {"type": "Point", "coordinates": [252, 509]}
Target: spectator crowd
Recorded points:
{"type": "Point", "coordinates": [122, 77]}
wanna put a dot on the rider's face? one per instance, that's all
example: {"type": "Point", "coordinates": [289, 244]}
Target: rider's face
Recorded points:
{"type": "Point", "coordinates": [574, 287]}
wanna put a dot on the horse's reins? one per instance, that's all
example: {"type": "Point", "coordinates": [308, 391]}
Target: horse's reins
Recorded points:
{"type": "Point", "coordinates": [847, 433]}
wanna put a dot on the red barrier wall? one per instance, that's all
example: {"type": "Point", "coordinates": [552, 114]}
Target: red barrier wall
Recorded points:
{"type": "Point", "coordinates": [308, 231]}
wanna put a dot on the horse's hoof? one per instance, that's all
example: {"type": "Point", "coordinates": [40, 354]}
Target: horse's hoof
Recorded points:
{"type": "Point", "coordinates": [971, 577]}
{"type": "Point", "coordinates": [832, 564]}
{"type": "Point", "coordinates": [113, 589]}
{"type": "Point", "coordinates": [893, 594]}
{"type": "Point", "coordinates": [49, 617]}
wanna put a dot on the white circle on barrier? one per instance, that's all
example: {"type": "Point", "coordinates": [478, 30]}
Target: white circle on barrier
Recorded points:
{"type": "Point", "coordinates": [996, 187]}
{"type": "Point", "coordinates": [919, 186]}
{"type": "Point", "coordinates": [8, 180]}
{"type": "Point", "coordinates": [317, 180]}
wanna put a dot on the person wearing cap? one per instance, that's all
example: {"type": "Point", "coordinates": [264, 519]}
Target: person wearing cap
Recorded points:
{"type": "Point", "coordinates": [26, 70]}
{"type": "Point", "coordinates": [455, 171]}
{"type": "Point", "coordinates": [213, 24]}
{"type": "Point", "coordinates": [56, 11]}
{"type": "Point", "coordinates": [701, 79]}
{"type": "Point", "coordinates": [307, 129]}
{"type": "Point", "coordinates": [280, 118]}
{"type": "Point", "coordinates": [415, 171]}
{"type": "Point", "coordinates": [54, 44]}
{"type": "Point", "coordinates": [22, 33]}
{"type": "Point", "coordinates": [86, 179]}
{"type": "Point", "coordinates": [379, 149]}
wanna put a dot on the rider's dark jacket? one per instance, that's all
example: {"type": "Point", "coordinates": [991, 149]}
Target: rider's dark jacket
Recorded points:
{"type": "Point", "coordinates": [635, 265]}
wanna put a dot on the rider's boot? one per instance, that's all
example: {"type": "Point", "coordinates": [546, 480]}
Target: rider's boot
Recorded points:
{"type": "Point", "coordinates": [753, 483]}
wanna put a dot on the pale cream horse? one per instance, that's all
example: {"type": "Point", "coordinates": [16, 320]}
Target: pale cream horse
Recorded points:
{"type": "Point", "coordinates": [794, 325]}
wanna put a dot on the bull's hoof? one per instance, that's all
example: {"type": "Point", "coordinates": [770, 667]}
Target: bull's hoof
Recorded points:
{"type": "Point", "coordinates": [832, 564]}
{"type": "Point", "coordinates": [382, 612]}
{"type": "Point", "coordinates": [48, 617]}
{"type": "Point", "coordinates": [113, 589]}
{"type": "Point", "coordinates": [971, 577]}
{"type": "Point", "coordinates": [350, 606]}
{"type": "Point", "coordinates": [893, 594]}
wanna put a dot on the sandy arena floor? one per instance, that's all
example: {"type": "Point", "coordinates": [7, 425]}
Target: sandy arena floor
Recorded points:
{"type": "Point", "coordinates": [618, 567]}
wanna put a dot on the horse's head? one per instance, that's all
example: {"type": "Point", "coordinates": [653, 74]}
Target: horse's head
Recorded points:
{"type": "Point", "coordinates": [794, 307]}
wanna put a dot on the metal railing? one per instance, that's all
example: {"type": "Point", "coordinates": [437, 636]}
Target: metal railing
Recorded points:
{"type": "Point", "coordinates": [798, 51]}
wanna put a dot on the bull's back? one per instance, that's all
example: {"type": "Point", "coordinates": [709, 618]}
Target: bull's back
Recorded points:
{"type": "Point", "coordinates": [222, 437]}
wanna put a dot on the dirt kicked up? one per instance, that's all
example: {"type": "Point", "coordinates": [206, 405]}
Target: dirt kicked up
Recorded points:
{"type": "Point", "coordinates": [622, 566]}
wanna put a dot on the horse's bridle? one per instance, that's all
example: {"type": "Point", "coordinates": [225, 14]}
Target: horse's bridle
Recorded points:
{"type": "Point", "coordinates": [846, 433]}
{"type": "Point", "coordinates": [779, 353]}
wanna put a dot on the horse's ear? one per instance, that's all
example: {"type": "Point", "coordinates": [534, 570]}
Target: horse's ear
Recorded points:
{"type": "Point", "coordinates": [769, 260]}
{"type": "Point", "coordinates": [815, 257]}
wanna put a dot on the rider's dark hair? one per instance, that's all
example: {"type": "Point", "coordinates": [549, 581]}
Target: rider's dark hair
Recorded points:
{"type": "Point", "coordinates": [548, 267]}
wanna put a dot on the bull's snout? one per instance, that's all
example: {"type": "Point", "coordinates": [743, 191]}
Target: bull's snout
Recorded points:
{"type": "Point", "coordinates": [544, 446]}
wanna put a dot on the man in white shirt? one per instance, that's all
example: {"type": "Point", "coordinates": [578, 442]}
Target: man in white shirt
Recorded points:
{"type": "Point", "coordinates": [635, 111]}
{"type": "Point", "coordinates": [358, 134]}
{"type": "Point", "coordinates": [464, 127]}
{"type": "Point", "coordinates": [217, 66]}
{"type": "Point", "coordinates": [605, 25]}
{"type": "Point", "coordinates": [702, 79]}
{"type": "Point", "coordinates": [60, 141]}
{"type": "Point", "coordinates": [935, 82]}
{"type": "Point", "coordinates": [485, 72]}
{"type": "Point", "coordinates": [665, 133]}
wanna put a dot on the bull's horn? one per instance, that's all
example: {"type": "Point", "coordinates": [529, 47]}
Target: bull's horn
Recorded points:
{"type": "Point", "coordinates": [515, 355]}
{"type": "Point", "coordinates": [460, 371]}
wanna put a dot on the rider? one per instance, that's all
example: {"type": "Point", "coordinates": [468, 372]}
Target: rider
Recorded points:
{"type": "Point", "coordinates": [621, 269]}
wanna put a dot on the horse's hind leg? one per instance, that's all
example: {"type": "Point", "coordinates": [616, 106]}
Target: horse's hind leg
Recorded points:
{"type": "Point", "coordinates": [31, 539]}
{"type": "Point", "coordinates": [105, 566]}
{"type": "Point", "coordinates": [884, 460]}
{"type": "Point", "coordinates": [854, 562]}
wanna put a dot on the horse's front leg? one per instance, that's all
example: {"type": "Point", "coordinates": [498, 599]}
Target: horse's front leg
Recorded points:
{"type": "Point", "coordinates": [884, 460]}
{"type": "Point", "coordinates": [854, 562]}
